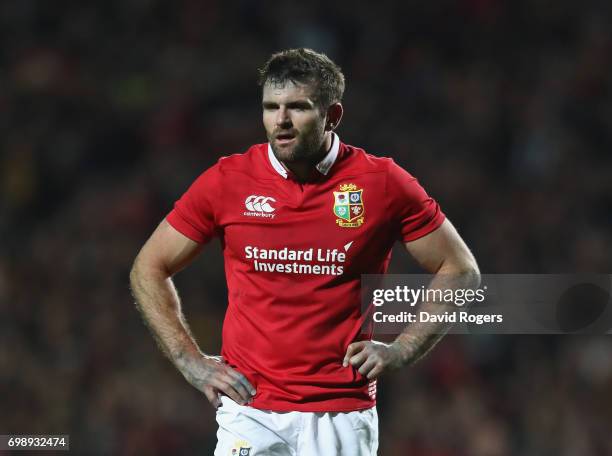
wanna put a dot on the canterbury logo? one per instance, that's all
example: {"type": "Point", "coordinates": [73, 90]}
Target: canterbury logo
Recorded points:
{"type": "Point", "coordinates": [259, 204]}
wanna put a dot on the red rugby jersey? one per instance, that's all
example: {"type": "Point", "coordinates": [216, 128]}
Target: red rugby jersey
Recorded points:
{"type": "Point", "coordinates": [294, 254]}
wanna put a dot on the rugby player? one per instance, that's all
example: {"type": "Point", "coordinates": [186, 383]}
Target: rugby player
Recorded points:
{"type": "Point", "coordinates": [300, 219]}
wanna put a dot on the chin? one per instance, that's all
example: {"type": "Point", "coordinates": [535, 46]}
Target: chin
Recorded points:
{"type": "Point", "coordinates": [286, 154]}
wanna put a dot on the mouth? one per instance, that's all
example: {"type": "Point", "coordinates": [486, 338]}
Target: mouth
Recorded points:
{"type": "Point", "coordinates": [284, 138]}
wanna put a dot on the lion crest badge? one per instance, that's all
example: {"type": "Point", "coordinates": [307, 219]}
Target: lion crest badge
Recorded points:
{"type": "Point", "coordinates": [348, 206]}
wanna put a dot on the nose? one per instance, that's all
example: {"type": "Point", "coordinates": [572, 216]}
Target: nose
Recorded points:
{"type": "Point", "coordinates": [282, 118]}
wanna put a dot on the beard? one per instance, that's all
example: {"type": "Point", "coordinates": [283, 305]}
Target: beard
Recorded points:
{"type": "Point", "coordinates": [305, 148]}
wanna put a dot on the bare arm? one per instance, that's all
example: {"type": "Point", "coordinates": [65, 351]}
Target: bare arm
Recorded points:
{"type": "Point", "coordinates": [443, 253]}
{"type": "Point", "coordinates": [165, 253]}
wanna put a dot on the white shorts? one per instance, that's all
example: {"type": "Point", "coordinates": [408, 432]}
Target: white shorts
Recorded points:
{"type": "Point", "coordinates": [247, 431]}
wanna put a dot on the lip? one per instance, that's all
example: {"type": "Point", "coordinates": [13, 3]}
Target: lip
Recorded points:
{"type": "Point", "coordinates": [284, 141]}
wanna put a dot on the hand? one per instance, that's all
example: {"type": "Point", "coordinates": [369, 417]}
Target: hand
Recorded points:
{"type": "Point", "coordinates": [211, 375]}
{"type": "Point", "coordinates": [373, 358]}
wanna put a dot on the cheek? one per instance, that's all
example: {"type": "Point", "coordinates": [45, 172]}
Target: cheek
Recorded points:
{"type": "Point", "coordinates": [268, 123]}
{"type": "Point", "coordinates": [311, 126]}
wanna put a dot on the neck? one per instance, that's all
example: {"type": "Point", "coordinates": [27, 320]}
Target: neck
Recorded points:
{"type": "Point", "coordinates": [304, 170]}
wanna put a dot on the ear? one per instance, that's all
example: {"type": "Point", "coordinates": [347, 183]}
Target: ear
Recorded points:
{"type": "Point", "coordinates": [333, 117]}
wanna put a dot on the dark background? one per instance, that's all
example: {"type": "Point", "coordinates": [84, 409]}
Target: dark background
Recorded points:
{"type": "Point", "coordinates": [108, 111]}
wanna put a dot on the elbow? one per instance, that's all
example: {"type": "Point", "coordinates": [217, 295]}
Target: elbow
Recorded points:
{"type": "Point", "coordinates": [472, 273]}
{"type": "Point", "coordinates": [134, 273]}
{"type": "Point", "coordinates": [469, 267]}
{"type": "Point", "coordinates": [140, 268]}
{"type": "Point", "coordinates": [466, 268]}
{"type": "Point", "coordinates": [145, 267]}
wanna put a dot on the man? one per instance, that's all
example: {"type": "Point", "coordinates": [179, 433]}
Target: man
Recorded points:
{"type": "Point", "coordinates": [299, 219]}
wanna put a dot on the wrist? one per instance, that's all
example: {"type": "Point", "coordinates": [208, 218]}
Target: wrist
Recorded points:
{"type": "Point", "coordinates": [405, 348]}
{"type": "Point", "coordinates": [183, 359]}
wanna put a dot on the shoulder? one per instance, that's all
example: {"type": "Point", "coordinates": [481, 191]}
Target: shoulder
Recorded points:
{"type": "Point", "coordinates": [251, 162]}
{"type": "Point", "coordinates": [358, 160]}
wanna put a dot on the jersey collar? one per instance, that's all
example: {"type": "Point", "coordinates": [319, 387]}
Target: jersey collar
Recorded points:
{"type": "Point", "coordinates": [323, 166]}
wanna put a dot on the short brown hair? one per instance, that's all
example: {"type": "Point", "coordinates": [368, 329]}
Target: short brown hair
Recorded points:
{"type": "Point", "coordinates": [306, 66]}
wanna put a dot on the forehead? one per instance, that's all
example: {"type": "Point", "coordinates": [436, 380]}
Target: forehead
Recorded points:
{"type": "Point", "coordinates": [288, 90]}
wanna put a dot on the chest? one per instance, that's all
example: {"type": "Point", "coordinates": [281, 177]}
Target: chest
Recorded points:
{"type": "Point", "coordinates": [336, 222]}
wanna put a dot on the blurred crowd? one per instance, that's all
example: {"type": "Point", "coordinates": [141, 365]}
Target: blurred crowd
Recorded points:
{"type": "Point", "coordinates": [108, 110]}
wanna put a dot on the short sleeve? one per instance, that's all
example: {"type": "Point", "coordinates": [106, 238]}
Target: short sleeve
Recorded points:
{"type": "Point", "coordinates": [414, 212]}
{"type": "Point", "coordinates": [194, 213]}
